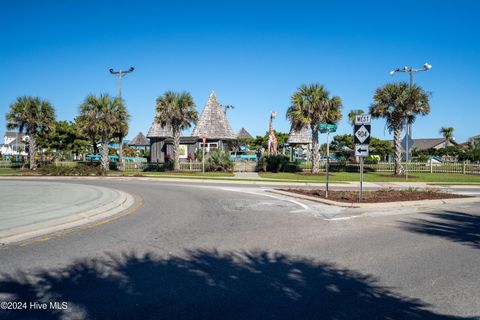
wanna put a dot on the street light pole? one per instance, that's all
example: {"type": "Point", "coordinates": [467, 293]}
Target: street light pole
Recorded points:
{"type": "Point", "coordinates": [120, 74]}
{"type": "Point", "coordinates": [408, 126]}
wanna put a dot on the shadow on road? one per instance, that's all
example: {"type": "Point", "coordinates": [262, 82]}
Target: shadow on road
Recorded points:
{"type": "Point", "coordinates": [208, 285]}
{"type": "Point", "coordinates": [452, 225]}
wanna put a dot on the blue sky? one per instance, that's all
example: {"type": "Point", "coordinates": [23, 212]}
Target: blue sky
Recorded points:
{"type": "Point", "coordinates": [254, 54]}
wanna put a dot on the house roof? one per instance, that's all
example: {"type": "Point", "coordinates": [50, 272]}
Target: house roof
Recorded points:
{"type": "Point", "coordinates": [213, 122]}
{"type": "Point", "coordinates": [14, 134]}
{"type": "Point", "coordinates": [18, 141]}
{"type": "Point", "coordinates": [157, 131]}
{"type": "Point", "coordinates": [139, 140]}
{"type": "Point", "coordinates": [424, 144]}
{"type": "Point", "coordinates": [303, 136]}
{"type": "Point", "coordinates": [243, 134]}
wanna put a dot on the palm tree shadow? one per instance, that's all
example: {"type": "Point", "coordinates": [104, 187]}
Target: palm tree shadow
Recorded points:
{"type": "Point", "coordinates": [456, 226]}
{"type": "Point", "coordinates": [208, 285]}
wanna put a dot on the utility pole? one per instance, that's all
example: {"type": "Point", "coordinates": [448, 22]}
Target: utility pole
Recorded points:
{"type": "Point", "coordinates": [120, 74]}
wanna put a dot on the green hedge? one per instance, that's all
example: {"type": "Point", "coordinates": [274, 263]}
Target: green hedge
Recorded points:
{"type": "Point", "coordinates": [79, 170]}
{"type": "Point", "coordinates": [278, 163]}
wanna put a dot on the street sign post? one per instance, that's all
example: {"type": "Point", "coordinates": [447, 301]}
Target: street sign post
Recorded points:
{"type": "Point", "coordinates": [363, 119]}
{"type": "Point", "coordinates": [327, 128]}
{"type": "Point", "coordinates": [204, 140]}
{"type": "Point", "coordinates": [361, 150]}
{"type": "Point", "coordinates": [361, 134]}
{"type": "Point", "coordinates": [407, 144]}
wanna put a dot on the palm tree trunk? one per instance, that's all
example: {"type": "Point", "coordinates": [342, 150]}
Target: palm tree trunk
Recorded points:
{"type": "Point", "coordinates": [120, 148]}
{"type": "Point", "coordinates": [398, 149]}
{"type": "Point", "coordinates": [176, 147]}
{"type": "Point", "coordinates": [94, 145]}
{"type": "Point", "coordinates": [104, 153]}
{"type": "Point", "coordinates": [120, 153]}
{"type": "Point", "coordinates": [32, 152]}
{"type": "Point", "coordinates": [315, 151]}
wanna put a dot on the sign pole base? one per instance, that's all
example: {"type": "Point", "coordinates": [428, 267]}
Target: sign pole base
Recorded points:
{"type": "Point", "coordinates": [360, 194]}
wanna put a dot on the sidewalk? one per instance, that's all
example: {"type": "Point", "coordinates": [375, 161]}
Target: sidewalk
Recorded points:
{"type": "Point", "coordinates": [247, 175]}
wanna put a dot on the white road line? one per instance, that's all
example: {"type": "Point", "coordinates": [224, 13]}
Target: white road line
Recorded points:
{"type": "Point", "coordinates": [467, 192]}
{"type": "Point", "coordinates": [304, 206]}
{"type": "Point", "coordinates": [342, 218]}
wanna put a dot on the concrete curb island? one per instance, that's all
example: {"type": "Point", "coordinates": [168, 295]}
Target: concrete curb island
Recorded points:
{"type": "Point", "coordinates": [417, 203]}
{"type": "Point", "coordinates": [122, 202]}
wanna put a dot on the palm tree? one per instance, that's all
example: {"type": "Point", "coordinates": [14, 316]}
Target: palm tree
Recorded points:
{"type": "Point", "coordinates": [102, 116]}
{"type": "Point", "coordinates": [178, 111]}
{"type": "Point", "coordinates": [352, 114]}
{"type": "Point", "coordinates": [447, 133]}
{"type": "Point", "coordinates": [399, 105]}
{"type": "Point", "coordinates": [34, 116]}
{"type": "Point", "coordinates": [312, 105]}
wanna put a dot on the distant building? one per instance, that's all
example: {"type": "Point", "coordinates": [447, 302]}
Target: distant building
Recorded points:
{"type": "Point", "coordinates": [300, 142]}
{"type": "Point", "coordinates": [13, 145]}
{"type": "Point", "coordinates": [139, 141]}
{"type": "Point", "coordinates": [431, 143]}
{"type": "Point", "coordinates": [243, 134]}
{"type": "Point", "coordinates": [212, 124]}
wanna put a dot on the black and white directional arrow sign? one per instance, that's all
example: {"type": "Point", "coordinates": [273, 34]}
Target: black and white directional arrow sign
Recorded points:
{"type": "Point", "coordinates": [361, 150]}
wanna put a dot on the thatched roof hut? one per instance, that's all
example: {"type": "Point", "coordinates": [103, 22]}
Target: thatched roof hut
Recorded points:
{"type": "Point", "coordinates": [139, 141]}
{"type": "Point", "coordinates": [213, 122]}
{"type": "Point", "coordinates": [244, 134]}
{"type": "Point", "coordinates": [157, 131]}
{"type": "Point", "coordinates": [303, 136]}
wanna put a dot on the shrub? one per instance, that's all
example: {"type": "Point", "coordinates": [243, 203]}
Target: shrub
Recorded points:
{"type": "Point", "coordinates": [79, 170]}
{"type": "Point", "coordinates": [371, 159]}
{"type": "Point", "coordinates": [219, 161]}
{"type": "Point", "coordinates": [158, 167]}
{"type": "Point", "coordinates": [198, 154]}
{"type": "Point", "coordinates": [278, 163]}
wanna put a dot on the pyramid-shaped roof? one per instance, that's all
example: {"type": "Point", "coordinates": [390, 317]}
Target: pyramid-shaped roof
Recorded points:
{"type": "Point", "coordinates": [244, 134]}
{"type": "Point", "coordinates": [139, 140]}
{"type": "Point", "coordinates": [157, 131]}
{"type": "Point", "coordinates": [213, 122]}
{"type": "Point", "coordinates": [303, 136]}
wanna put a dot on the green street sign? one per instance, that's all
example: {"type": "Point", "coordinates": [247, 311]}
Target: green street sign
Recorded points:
{"type": "Point", "coordinates": [324, 127]}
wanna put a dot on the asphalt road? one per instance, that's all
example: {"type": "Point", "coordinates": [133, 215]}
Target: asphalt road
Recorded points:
{"type": "Point", "coordinates": [235, 252]}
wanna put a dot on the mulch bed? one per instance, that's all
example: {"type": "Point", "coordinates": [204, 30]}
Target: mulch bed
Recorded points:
{"type": "Point", "coordinates": [384, 195]}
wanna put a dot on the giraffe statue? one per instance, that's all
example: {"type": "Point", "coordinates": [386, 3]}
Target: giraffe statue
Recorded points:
{"type": "Point", "coordinates": [272, 139]}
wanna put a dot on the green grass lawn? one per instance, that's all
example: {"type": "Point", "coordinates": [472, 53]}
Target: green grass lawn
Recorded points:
{"type": "Point", "coordinates": [375, 177]}
{"type": "Point", "coordinates": [439, 178]}
{"type": "Point", "coordinates": [180, 173]}
{"type": "Point", "coordinates": [8, 171]}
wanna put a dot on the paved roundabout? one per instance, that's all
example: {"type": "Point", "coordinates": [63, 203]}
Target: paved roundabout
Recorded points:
{"type": "Point", "coordinates": [235, 251]}
{"type": "Point", "coordinates": [33, 208]}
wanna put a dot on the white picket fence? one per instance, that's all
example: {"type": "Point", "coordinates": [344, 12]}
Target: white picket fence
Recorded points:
{"type": "Point", "coordinates": [426, 167]}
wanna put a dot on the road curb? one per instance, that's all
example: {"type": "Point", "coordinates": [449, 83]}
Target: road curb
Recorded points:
{"type": "Point", "coordinates": [172, 179]}
{"type": "Point", "coordinates": [120, 204]}
{"type": "Point", "coordinates": [434, 202]}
